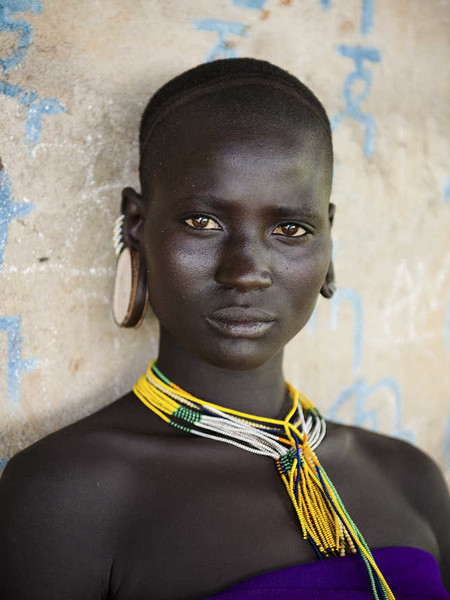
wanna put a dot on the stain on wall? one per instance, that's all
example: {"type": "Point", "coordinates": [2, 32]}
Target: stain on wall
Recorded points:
{"type": "Point", "coordinates": [367, 13]}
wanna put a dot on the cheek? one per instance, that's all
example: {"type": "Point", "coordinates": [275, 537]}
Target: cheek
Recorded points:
{"type": "Point", "coordinates": [176, 274]}
{"type": "Point", "coordinates": [302, 280]}
{"type": "Point", "coordinates": [307, 270]}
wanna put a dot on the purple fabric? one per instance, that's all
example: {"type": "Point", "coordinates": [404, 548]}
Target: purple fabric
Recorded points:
{"type": "Point", "coordinates": [411, 574]}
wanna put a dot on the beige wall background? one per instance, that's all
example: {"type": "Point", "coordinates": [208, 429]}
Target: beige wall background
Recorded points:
{"type": "Point", "coordinates": [74, 79]}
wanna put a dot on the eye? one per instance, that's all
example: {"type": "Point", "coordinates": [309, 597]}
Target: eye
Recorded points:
{"type": "Point", "coordinates": [293, 230]}
{"type": "Point", "coordinates": [202, 222]}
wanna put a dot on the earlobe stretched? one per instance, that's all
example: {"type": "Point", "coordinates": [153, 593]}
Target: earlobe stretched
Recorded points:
{"type": "Point", "coordinates": [329, 285]}
{"type": "Point", "coordinates": [133, 211]}
{"type": "Point", "coordinates": [331, 213]}
{"type": "Point", "coordinates": [130, 298]}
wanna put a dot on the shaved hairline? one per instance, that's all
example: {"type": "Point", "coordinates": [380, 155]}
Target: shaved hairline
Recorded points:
{"type": "Point", "coordinates": [226, 82]}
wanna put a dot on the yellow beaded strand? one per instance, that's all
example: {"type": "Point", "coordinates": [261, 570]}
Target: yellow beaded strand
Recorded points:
{"type": "Point", "coordinates": [326, 524]}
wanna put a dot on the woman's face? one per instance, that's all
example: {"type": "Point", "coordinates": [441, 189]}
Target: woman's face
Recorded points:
{"type": "Point", "coordinates": [237, 231]}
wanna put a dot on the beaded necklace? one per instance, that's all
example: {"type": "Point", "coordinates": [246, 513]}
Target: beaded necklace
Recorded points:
{"type": "Point", "coordinates": [291, 443]}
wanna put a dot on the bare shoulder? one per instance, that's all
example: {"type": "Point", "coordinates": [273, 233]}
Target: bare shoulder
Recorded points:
{"type": "Point", "coordinates": [407, 465]}
{"type": "Point", "coordinates": [66, 476]}
{"type": "Point", "coordinates": [405, 471]}
{"type": "Point", "coordinates": [65, 500]}
{"type": "Point", "coordinates": [96, 451]}
{"type": "Point", "coordinates": [60, 500]}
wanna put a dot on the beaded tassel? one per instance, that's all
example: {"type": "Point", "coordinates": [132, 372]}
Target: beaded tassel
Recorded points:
{"type": "Point", "coordinates": [291, 443]}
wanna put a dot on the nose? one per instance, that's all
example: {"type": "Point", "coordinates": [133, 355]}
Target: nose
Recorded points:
{"type": "Point", "coordinates": [244, 265]}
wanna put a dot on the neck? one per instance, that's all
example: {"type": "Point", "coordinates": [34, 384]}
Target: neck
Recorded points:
{"type": "Point", "coordinates": [261, 391]}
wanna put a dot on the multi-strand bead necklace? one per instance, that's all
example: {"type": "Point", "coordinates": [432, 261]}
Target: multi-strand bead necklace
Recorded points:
{"type": "Point", "coordinates": [291, 443]}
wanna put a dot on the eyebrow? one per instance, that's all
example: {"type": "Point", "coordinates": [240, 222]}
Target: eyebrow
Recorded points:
{"type": "Point", "coordinates": [289, 212]}
{"type": "Point", "coordinates": [209, 199]}
{"type": "Point", "coordinates": [280, 211]}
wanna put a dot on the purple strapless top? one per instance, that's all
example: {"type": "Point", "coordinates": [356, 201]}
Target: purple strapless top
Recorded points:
{"type": "Point", "coordinates": [411, 574]}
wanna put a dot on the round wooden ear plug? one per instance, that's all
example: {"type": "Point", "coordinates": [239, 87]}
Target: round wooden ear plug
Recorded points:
{"type": "Point", "coordinates": [130, 297]}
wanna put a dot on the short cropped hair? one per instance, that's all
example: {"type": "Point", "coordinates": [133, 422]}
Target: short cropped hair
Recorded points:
{"type": "Point", "coordinates": [220, 71]}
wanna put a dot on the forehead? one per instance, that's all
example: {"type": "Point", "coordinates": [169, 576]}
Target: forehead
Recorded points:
{"type": "Point", "coordinates": [241, 134]}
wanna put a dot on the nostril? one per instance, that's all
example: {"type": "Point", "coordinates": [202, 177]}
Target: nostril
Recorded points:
{"type": "Point", "coordinates": [243, 274]}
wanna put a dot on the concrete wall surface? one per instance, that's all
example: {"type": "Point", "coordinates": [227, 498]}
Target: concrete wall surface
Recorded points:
{"type": "Point", "coordinates": [74, 78]}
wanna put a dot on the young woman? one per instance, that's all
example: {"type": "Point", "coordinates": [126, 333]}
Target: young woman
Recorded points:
{"type": "Point", "coordinates": [172, 492]}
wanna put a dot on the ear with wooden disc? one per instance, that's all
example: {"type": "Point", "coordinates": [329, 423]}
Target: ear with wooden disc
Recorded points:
{"type": "Point", "coordinates": [130, 297]}
{"type": "Point", "coordinates": [130, 290]}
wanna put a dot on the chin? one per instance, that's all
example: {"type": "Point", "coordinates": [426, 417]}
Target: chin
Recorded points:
{"type": "Point", "coordinates": [242, 355]}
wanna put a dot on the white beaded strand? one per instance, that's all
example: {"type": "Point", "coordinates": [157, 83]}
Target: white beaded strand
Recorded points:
{"type": "Point", "coordinates": [243, 433]}
{"type": "Point", "coordinates": [118, 235]}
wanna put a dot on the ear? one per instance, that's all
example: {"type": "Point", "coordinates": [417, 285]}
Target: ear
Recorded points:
{"type": "Point", "coordinates": [133, 209]}
{"type": "Point", "coordinates": [130, 289]}
{"type": "Point", "coordinates": [331, 213]}
{"type": "Point", "coordinates": [329, 286]}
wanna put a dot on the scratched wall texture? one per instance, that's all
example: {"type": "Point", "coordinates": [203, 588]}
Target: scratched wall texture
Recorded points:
{"type": "Point", "coordinates": [74, 78]}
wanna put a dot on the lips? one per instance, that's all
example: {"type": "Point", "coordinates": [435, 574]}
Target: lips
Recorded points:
{"type": "Point", "coordinates": [240, 314]}
{"type": "Point", "coordinates": [237, 321]}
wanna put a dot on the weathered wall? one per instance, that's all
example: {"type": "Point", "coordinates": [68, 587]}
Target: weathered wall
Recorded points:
{"type": "Point", "coordinates": [74, 78]}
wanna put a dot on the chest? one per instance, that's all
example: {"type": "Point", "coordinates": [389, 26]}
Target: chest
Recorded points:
{"type": "Point", "coordinates": [200, 521]}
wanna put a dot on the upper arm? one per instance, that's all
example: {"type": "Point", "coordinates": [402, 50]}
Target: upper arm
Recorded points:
{"type": "Point", "coordinates": [439, 516]}
{"type": "Point", "coordinates": [54, 534]}
{"type": "Point", "coordinates": [432, 499]}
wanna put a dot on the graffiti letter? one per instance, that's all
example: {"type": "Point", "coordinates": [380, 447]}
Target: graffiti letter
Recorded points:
{"type": "Point", "coordinates": [223, 48]}
{"type": "Point", "coordinates": [34, 104]}
{"type": "Point", "coordinates": [16, 366]}
{"type": "Point", "coordinates": [9, 210]}
{"type": "Point", "coordinates": [363, 417]}
{"type": "Point", "coordinates": [353, 101]}
{"type": "Point", "coordinates": [352, 296]}
{"type": "Point", "coordinates": [254, 4]}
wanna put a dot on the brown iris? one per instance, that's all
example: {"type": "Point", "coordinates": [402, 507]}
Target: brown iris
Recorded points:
{"type": "Point", "coordinates": [290, 230]}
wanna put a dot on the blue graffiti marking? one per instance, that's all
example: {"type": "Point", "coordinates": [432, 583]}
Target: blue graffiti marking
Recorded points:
{"type": "Point", "coordinates": [18, 26]}
{"type": "Point", "coordinates": [447, 444]}
{"type": "Point", "coordinates": [3, 462]}
{"type": "Point", "coordinates": [9, 210]}
{"type": "Point", "coordinates": [367, 13]}
{"type": "Point", "coordinates": [35, 105]}
{"type": "Point", "coordinates": [223, 48]}
{"type": "Point", "coordinates": [353, 297]}
{"type": "Point", "coordinates": [352, 102]}
{"type": "Point", "coordinates": [446, 190]}
{"type": "Point", "coordinates": [16, 366]}
{"type": "Point", "coordinates": [368, 10]}
{"type": "Point", "coordinates": [360, 391]}
{"type": "Point", "coordinates": [311, 325]}
{"type": "Point", "coordinates": [253, 4]}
